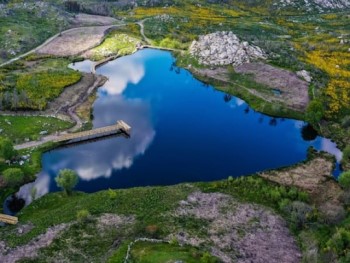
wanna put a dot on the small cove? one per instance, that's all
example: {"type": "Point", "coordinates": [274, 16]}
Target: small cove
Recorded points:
{"type": "Point", "coordinates": [182, 131]}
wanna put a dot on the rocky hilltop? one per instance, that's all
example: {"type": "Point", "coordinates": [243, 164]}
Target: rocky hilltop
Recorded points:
{"type": "Point", "coordinates": [224, 48]}
{"type": "Point", "coordinates": [320, 5]}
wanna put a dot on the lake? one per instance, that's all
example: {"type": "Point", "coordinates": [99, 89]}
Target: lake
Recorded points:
{"type": "Point", "coordinates": [182, 131]}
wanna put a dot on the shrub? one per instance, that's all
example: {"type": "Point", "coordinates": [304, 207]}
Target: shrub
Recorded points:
{"type": "Point", "coordinates": [152, 230]}
{"type": "Point", "coordinates": [83, 215]}
{"type": "Point", "coordinates": [207, 258]}
{"type": "Point", "coordinates": [344, 180]}
{"type": "Point", "coordinates": [346, 155]}
{"type": "Point", "coordinates": [293, 193]}
{"type": "Point", "coordinates": [112, 194]}
{"type": "Point", "coordinates": [283, 204]}
{"type": "Point", "coordinates": [33, 193]}
{"type": "Point", "coordinates": [13, 176]}
{"type": "Point", "coordinates": [7, 152]}
{"type": "Point", "coordinates": [314, 112]}
{"type": "Point", "coordinates": [275, 195]}
{"type": "Point", "coordinates": [340, 242]}
{"type": "Point", "coordinates": [300, 213]}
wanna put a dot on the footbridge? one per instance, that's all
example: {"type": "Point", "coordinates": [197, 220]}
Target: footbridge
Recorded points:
{"type": "Point", "coordinates": [119, 127]}
{"type": "Point", "coordinates": [8, 219]}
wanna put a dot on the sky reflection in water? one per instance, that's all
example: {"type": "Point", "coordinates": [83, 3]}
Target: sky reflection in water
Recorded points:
{"type": "Point", "coordinates": [182, 130]}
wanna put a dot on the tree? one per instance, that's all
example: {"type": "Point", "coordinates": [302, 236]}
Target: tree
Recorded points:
{"type": "Point", "coordinates": [67, 180]}
{"type": "Point", "coordinates": [13, 176]}
{"type": "Point", "coordinates": [314, 112]}
{"type": "Point", "coordinates": [7, 152]}
{"type": "Point", "coordinates": [344, 180]}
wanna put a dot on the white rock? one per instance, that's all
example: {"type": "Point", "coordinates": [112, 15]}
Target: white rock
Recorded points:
{"type": "Point", "coordinates": [305, 75]}
{"type": "Point", "coordinates": [224, 48]}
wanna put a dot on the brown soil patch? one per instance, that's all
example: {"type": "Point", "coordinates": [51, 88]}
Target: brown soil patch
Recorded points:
{"type": "Point", "coordinates": [75, 41]}
{"type": "Point", "coordinates": [314, 177]}
{"type": "Point", "coordinates": [92, 20]}
{"type": "Point", "coordinates": [239, 232]}
{"type": "Point", "coordinates": [293, 89]}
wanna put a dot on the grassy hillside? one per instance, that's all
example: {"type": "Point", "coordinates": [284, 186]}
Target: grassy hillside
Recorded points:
{"type": "Point", "coordinates": [183, 214]}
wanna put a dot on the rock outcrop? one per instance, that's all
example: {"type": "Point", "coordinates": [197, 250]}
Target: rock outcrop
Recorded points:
{"type": "Point", "coordinates": [224, 48]}
{"type": "Point", "coordinates": [317, 5]}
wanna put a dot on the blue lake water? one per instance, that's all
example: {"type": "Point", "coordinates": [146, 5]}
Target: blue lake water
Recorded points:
{"type": "Point", "coordinates": [182, 131]}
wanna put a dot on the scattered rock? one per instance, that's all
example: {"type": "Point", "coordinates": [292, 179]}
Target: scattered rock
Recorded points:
{"type": "Point", "coordinates": [30, 250]}
{"type": "Point", "coordinates": [238, 232]}
{"type": "Point", "coordinates": [24, 229]}
{"type": "Point", "coordinates": [224, 48]}
{"type": "Point", "coordinates": [113, 220]}
{"type": "Point", "coordinates": [305, 75]}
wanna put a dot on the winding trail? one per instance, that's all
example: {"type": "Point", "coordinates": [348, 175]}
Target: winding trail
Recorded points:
{"type": "Point", "coordinates": [142, 31]}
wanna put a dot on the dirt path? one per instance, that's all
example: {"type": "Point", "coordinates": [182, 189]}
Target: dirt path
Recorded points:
{"type": "Point", "coordinates": [142, 31]}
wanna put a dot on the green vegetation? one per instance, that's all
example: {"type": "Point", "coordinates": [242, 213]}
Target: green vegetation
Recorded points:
{"type": "Point", "coordinates": [7, 152]}
{"type": "Point", "coordinates": [31, 83]}
{"type": "Point", "coordinates": [153, 209]}
{"type": "Point", "coordinates": [344, 180]}
{"type": "Point", "coordinates": [43, 87]}
{"type": "Point", "coordinates": [13, 176]}
{"type": "Point", "coordinates": [29, 168]}
{"type": "Point", "coordinates": [116, 43]}
{"type": "Point", "coordinates": [20, 128]}
{"type": "Point", "coordinates": [172, 44]}
{"type": "Point", "coordinates": [340, 244]}
{"type": "Point", "coordinates": [67, 180]}
{"type": "Point", "coordinates": [143, 252]}
{"type": "Point", "coordinates": [83, 215]}
{"type": "Point", "coordinates": [346, 156]}
{"type": "Point", "coordinates": [314, 112]}
{"type": "Point", "coordinates": [24, 27]}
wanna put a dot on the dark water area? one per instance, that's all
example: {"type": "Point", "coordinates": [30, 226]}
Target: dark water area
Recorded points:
{"type": "Point", "coordinates": [182, 131]}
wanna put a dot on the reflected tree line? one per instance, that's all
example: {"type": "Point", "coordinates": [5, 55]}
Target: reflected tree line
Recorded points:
{"type": "Point", "coordinates": [308, 133]}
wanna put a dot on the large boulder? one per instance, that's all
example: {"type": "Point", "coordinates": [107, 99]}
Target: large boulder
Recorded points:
{"type": "Point", "coordinates": [224, 48]}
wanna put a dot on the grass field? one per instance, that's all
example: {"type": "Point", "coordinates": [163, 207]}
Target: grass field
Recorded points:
{"type": "Point", "coordinates": [116, 43]}
{"type": "Point", "coordinates": [19, 128]}
{"type": "Point", "coordinates": [143, 252]}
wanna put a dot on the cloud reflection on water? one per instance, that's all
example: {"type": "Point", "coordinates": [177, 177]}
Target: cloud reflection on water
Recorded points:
{"type": "Point", "coordinates": [96, 160]}
{"type": "Point", "coordinates": [122, 74]}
